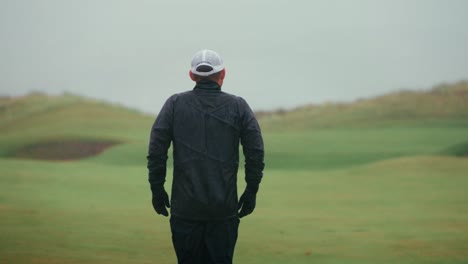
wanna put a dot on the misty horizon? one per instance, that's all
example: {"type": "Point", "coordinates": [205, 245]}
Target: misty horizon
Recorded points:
{"type": "Point", "coordinates": [277, 55]}
{"type": "Point", "coordinates": [266, 111]}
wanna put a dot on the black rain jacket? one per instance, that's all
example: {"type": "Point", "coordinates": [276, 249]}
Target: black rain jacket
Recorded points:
{"type": "Point", "coordinates": [205, 126]}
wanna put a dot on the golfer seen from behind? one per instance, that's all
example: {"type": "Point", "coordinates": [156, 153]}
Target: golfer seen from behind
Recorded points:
{"type": "Point", "coordinates": [205, 126]}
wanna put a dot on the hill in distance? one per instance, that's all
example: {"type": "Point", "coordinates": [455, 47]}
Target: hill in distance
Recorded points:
{"type": "Point", "coordinates": [73, 127]}
{"type": "Point", "coordinates": [446, 102]}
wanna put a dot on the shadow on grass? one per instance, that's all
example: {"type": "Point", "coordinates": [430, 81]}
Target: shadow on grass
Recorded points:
{"type": "Point", "coordinates": [459, 150]}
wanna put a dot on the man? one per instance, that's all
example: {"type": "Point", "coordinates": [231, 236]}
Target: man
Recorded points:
{"type": "Point", "coordinates": [205, 126]}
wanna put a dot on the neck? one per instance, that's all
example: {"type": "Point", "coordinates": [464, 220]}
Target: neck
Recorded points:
{"type": "Point", "coordinates": [207, 85]}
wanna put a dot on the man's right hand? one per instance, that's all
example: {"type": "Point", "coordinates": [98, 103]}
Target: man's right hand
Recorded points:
{"type": "Point", "coordinates": [160, 201]}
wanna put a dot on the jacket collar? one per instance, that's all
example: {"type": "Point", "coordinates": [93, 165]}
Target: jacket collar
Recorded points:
{"type": "Point", "coordinates": [207, 85]}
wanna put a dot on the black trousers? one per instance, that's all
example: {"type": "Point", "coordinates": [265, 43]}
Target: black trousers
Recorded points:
{"type": "Point", "coordinates": [204, 242]}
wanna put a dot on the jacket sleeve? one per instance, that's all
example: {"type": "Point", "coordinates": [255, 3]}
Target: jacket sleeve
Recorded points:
{"type": "Point", "coordinates": [160, 141]}
{"type": "Point", "coordinates": [252, 146]}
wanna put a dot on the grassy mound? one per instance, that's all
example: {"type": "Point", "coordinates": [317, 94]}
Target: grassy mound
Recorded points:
{"type": "Point", "coordinates": [33, 119]}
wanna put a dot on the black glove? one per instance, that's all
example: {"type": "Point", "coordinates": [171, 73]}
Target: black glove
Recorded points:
{"type": "Point", "coordinates": [247, 202]}
{"type": "Point", "coordinates": [160, 200]}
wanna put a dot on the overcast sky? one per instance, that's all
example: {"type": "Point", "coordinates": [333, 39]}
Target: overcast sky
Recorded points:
{"type": "Point", "coordinates": [277, 53]}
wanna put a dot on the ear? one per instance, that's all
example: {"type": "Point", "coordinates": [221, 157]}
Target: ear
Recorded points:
{"type": "Point", "coordinates": [223, 74]}
{"type": "Point", "coordinates": [192, 76]}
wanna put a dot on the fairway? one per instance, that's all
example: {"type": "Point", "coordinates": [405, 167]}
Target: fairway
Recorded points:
{"type": "Point", "coordinates": [408, 210]}
{"type": "Point", "coordinates": [388, 192]}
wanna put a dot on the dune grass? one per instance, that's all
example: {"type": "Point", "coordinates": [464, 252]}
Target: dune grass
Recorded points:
{"type": "Point", "coordinates": [443, 105]}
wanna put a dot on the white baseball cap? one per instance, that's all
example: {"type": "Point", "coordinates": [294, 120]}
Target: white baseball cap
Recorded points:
{"type": "Point", "coordinates": [206, 62]}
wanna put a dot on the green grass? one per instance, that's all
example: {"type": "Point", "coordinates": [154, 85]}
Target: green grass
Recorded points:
{"type": "Point", "coordinates": [340, 148]}
{"type": "Point", "coordinates": [407, 210]}
{"type": "Point", "coordinates": [339, 187]}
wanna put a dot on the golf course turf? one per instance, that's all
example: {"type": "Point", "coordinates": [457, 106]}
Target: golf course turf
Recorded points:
{"type": "Point", "coordinates": [349, 185]}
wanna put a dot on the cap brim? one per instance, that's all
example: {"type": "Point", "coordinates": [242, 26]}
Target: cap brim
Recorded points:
{"type": "Point", "coordinates": [215, 69]}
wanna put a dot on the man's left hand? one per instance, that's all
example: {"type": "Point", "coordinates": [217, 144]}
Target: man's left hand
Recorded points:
{"type": "Point", "coordinates": [247, 202]}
